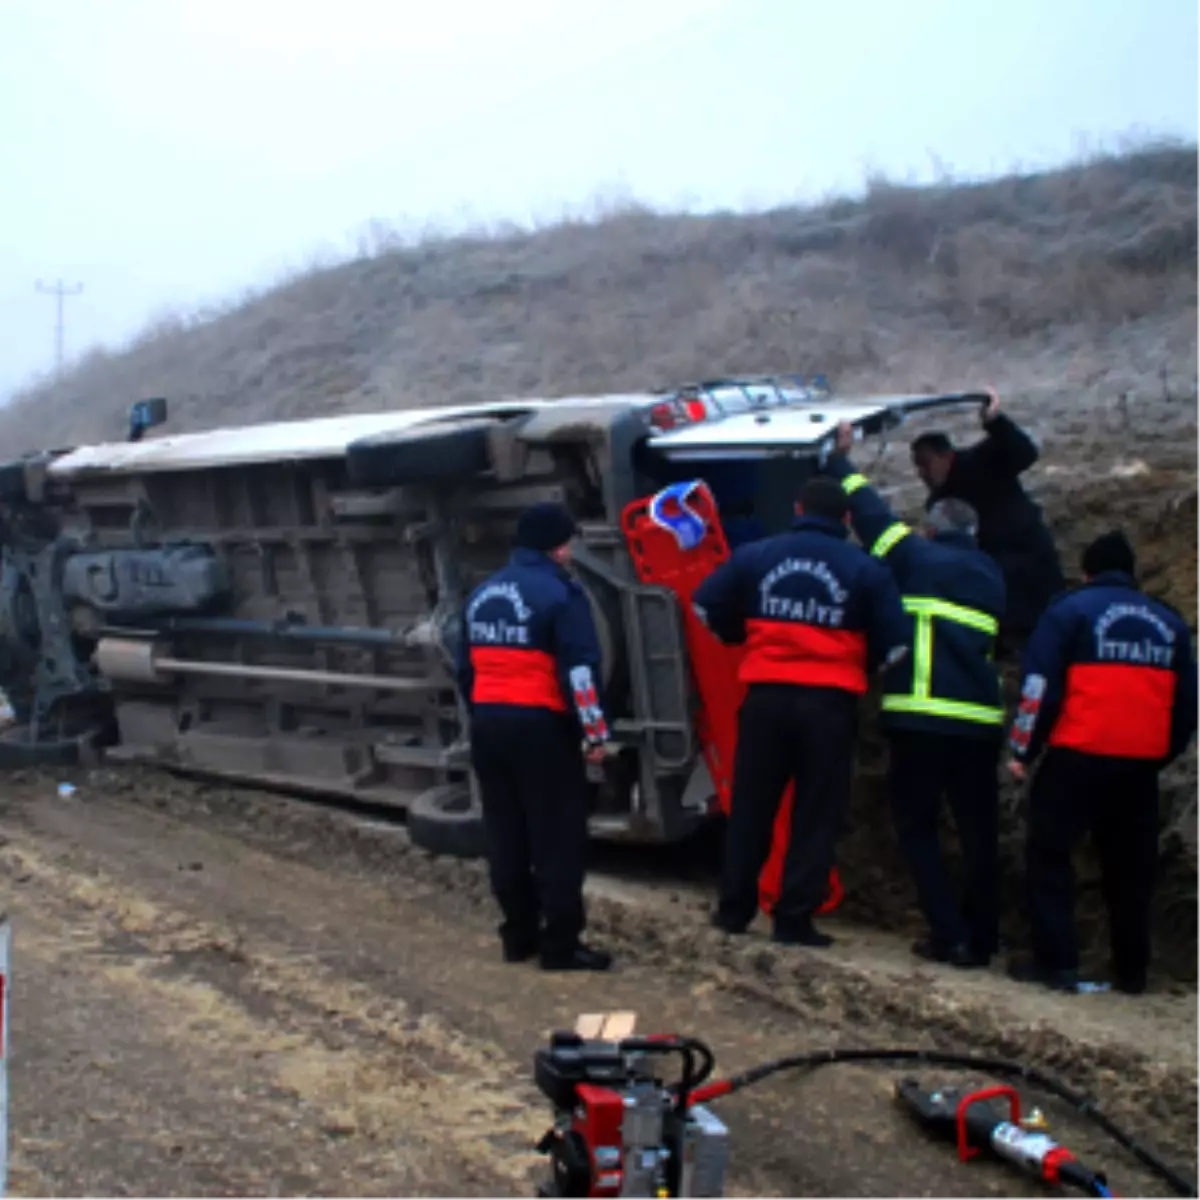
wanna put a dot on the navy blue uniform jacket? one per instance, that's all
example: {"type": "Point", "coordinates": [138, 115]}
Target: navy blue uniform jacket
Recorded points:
{"type": "Point", "coordinates": [1111, 672]}
{"type": "Point", "coordinates": [954, 595]}
{"type": "Point", "coordinates": [811, 608]}
{"type": "Point", "coordinates": [528, 641]}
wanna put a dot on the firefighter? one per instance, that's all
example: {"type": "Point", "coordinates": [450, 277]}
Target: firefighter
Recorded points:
{"type": "Point", "coordinates": [941, 710]}
{"type": "Point", "coordinates": [528, 669]}
{"type": "Point", "coordinates": [1011, 529]}
{"type": "Point", "coordinates": [1109, 691]}
{"type": "Point", "coordinates": [817, 615]}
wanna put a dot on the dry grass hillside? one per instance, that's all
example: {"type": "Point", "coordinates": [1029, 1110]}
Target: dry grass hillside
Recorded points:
{"type": "Point", "coordinates": [1082, 279]}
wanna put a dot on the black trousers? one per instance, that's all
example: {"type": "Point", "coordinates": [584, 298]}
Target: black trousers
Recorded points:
{"type": "Point", "coordinates": [1116, 800]}
{"type": "Point", "coordinates": [806, 736]}
{"type": "Point", "coordinates": [925, 767]}
{"type": "Point", "coordinates": [534, 792]}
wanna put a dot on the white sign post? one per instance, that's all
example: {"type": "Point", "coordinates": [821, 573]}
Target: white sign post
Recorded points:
{"type": "Point", "coordinates": [5, 992]}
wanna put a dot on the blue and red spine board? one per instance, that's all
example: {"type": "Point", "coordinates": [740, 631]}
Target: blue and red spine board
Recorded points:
{"type": "Point", "coordinates": [676, 541]}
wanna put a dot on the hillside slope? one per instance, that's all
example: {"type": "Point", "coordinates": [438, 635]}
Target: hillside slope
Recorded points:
{"type": "Point", "coordinates": [1082, 279]}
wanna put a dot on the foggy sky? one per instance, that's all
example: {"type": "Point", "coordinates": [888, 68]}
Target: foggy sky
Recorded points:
{"type": "Point", "coordinates": [169, 153]}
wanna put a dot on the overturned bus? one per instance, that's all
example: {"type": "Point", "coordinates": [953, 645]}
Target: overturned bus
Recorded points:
{"type": "Point", "coordinates": [276, 604]}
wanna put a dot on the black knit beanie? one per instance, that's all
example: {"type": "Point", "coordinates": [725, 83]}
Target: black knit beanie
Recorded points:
{"type": "Point", "coordinates": [545, 527]}
{"type": "Point", "coordinates": [1109, 552]}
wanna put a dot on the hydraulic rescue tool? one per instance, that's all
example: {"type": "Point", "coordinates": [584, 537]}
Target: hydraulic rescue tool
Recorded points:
{"type": "Point", "coordinates": [621, 1130]}
{"type": "Point", "coordinates": [618, 1131]}
{"type": "Point", "coordinates": [973, 1121]}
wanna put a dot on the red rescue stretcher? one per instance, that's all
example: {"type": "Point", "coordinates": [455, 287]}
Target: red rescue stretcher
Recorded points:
{"type": "Point", "coordinates": [676, 541]}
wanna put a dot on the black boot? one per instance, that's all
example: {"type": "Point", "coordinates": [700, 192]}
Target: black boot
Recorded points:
{"type": "Point", "coordinates": [581, 958]}
{"type": "Point", "coordinates": [1056, 979]}
{"type": "Point", "coordinates": [1132, 983]}
{"type": "Point", "coordinates": [800, 932]}
{"type": "Point", "coordinates": [519, 952]}
{"type": "Point", "coordinates": [959, 955]}
{"type": "Point", "coordinates": [519, 941]}
{"type": "Point", "coordinates": [725, 925]}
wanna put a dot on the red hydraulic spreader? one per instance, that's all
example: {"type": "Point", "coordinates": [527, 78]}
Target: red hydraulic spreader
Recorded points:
{"type": "Point", "coordinates": [676, 541]}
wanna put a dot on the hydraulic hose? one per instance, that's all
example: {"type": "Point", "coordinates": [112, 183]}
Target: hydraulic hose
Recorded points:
{"type": "Point", "coordinates": [1000, 1067]}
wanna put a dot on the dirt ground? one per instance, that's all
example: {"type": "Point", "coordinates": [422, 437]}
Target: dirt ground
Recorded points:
{"type": "Point", "coordinates": [220, 993]}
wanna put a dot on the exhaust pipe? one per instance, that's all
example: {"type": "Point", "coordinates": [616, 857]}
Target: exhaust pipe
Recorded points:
{"type": "Point", "coordinates": [125, 661]}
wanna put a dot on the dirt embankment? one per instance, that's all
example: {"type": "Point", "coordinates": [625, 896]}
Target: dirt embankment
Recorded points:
{"type": "Point", "coordinates": [228, 993]}
{"type": "Point", "coordinates": [1103, 466]}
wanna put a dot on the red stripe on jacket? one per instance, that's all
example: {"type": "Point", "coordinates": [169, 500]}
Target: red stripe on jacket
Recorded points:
{"type": "Point", "coordinates": [806, 655]}
{"type": "Point", "coordinates": [526, 678]}
{"type": "Point", "coordinates": [1118, 710]}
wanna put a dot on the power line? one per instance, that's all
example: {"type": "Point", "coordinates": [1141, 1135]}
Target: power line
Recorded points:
{"type": "Point", "coordinates": [59, 291]}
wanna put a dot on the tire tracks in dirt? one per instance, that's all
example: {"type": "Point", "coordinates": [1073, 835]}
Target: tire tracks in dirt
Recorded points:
{"type": "Point", "coordinates": [337, 935]}
{"type": "Point", "coordinates": [363, 1062]}
{"type": "Point", "coordinates": [134, 1077]}
{"type": "Point", "coordinates": [1137, 1054]}
{"type": "Point", "coordinates": [1131, 1051]}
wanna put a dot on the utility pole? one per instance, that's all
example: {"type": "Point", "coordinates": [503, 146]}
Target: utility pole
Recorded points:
{"type": "Point", "coordinates": [59, 291]}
